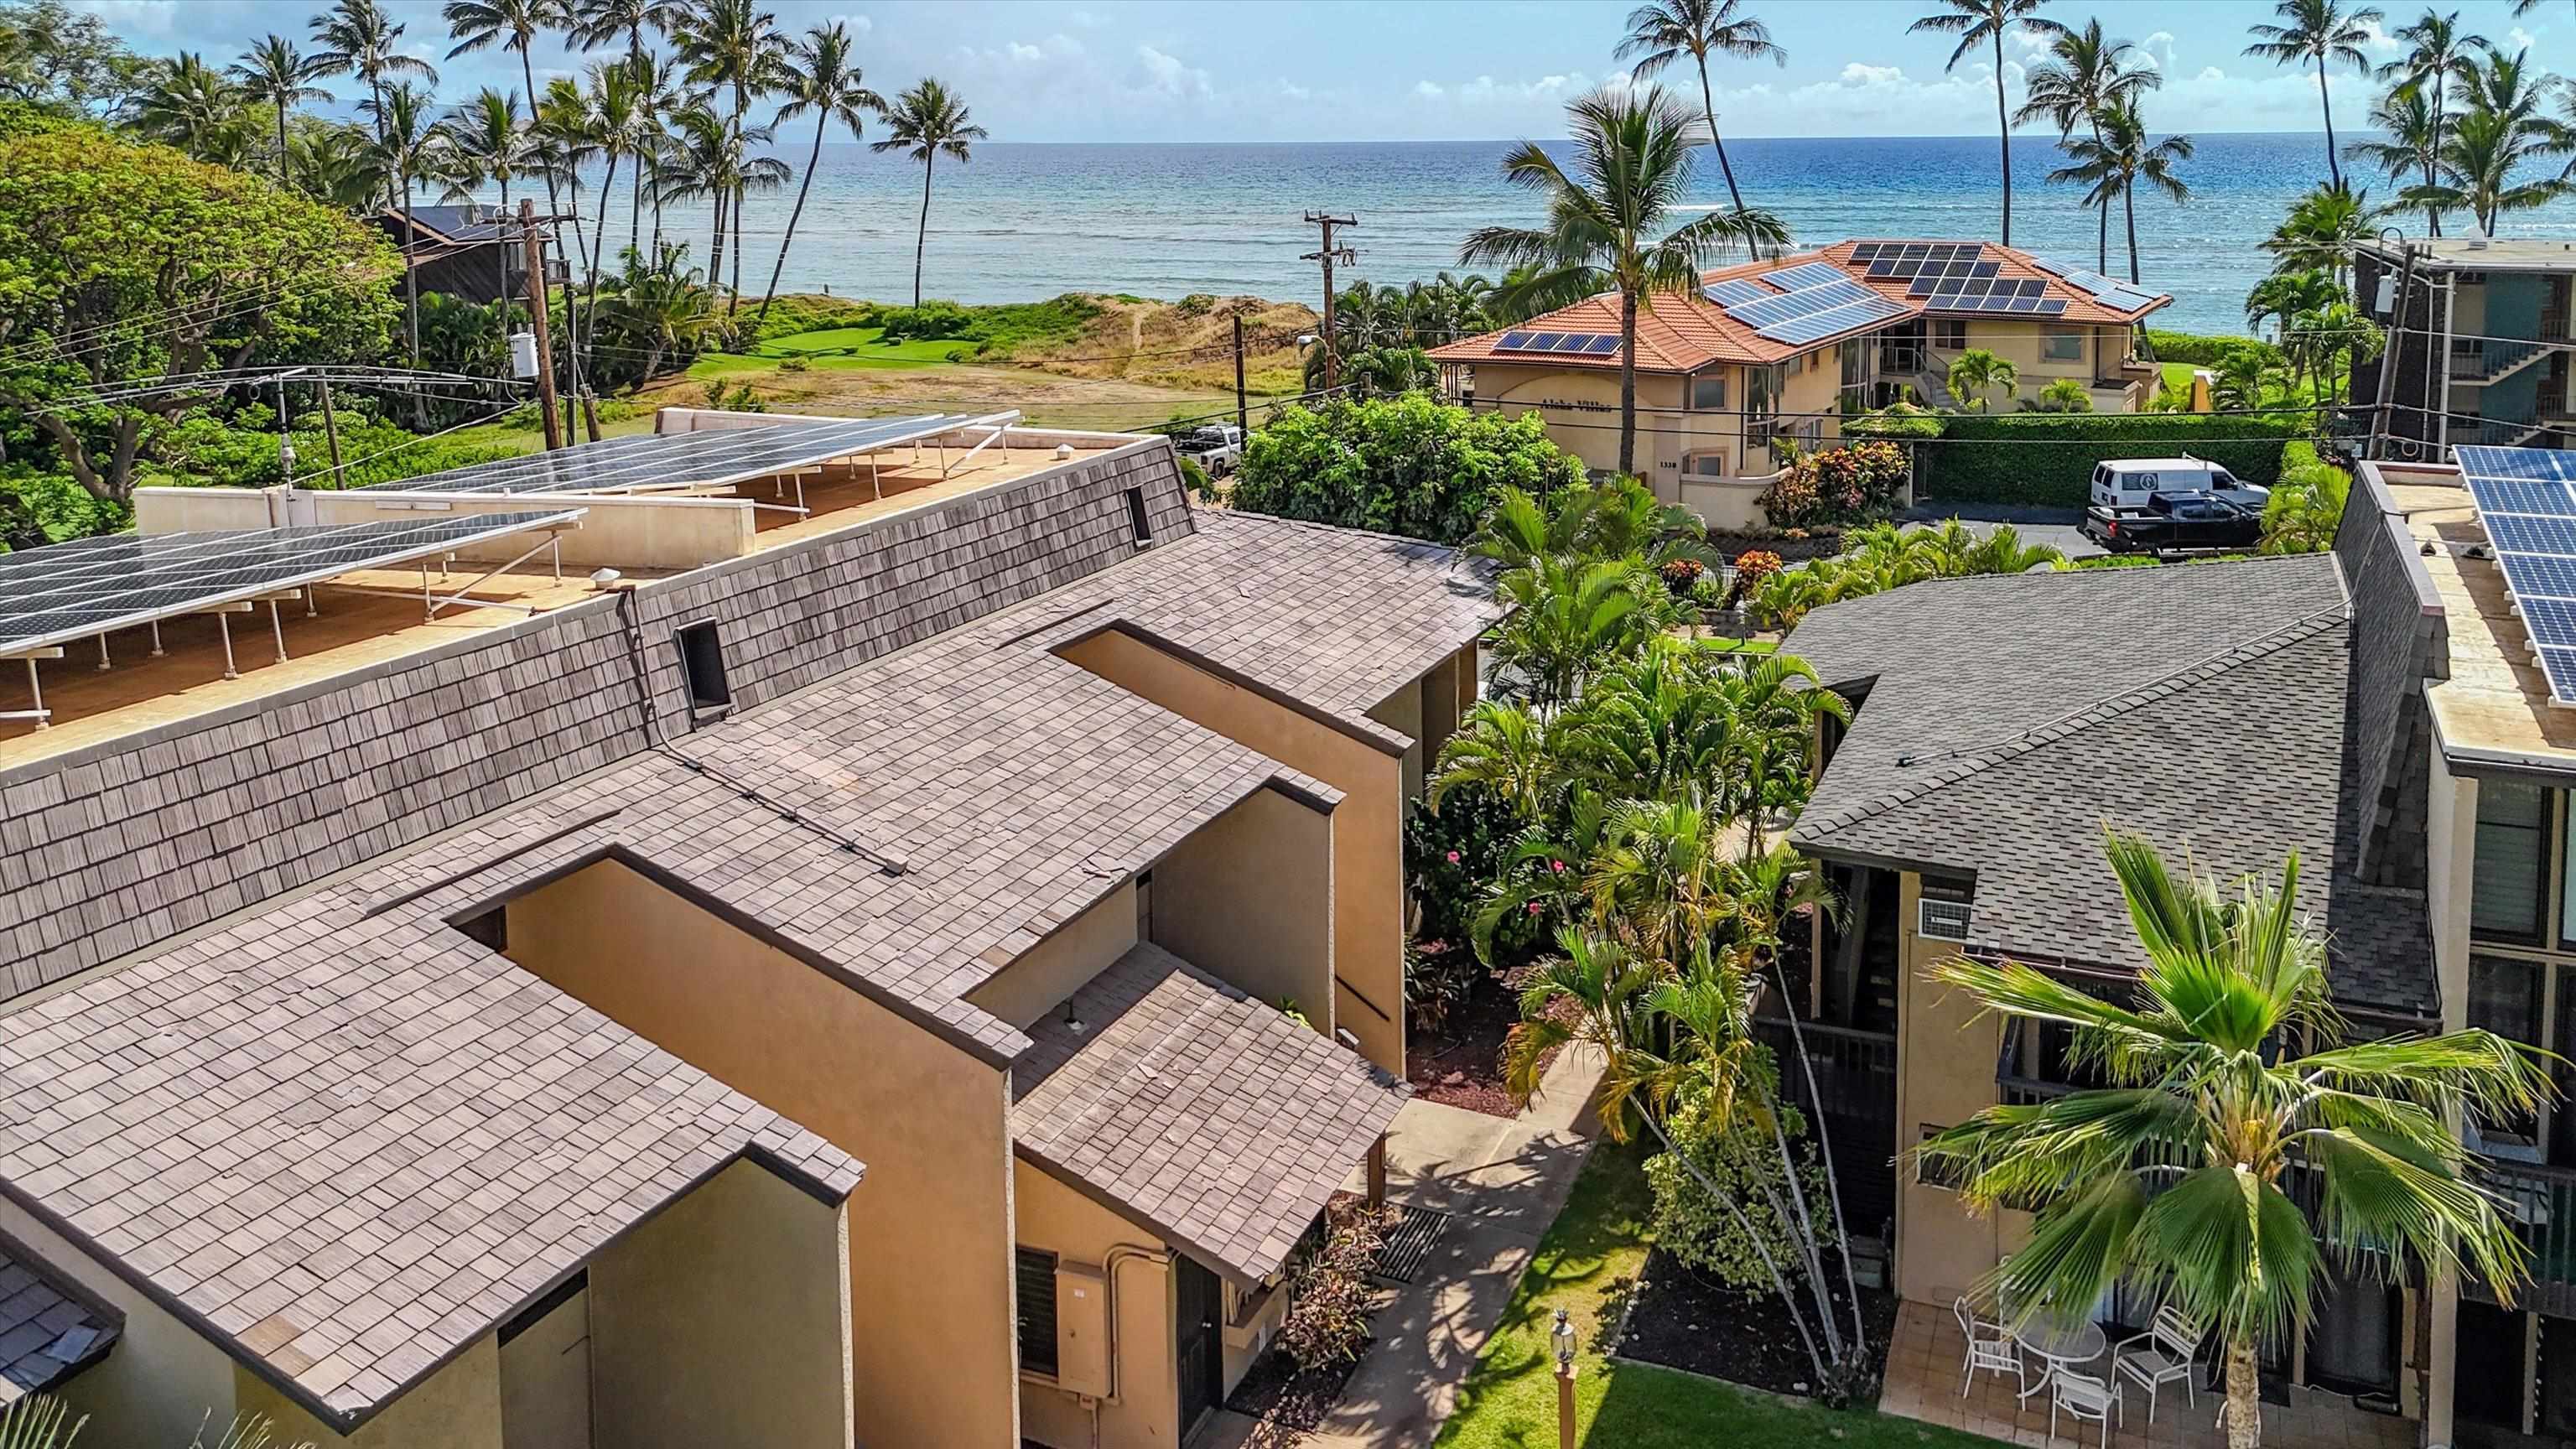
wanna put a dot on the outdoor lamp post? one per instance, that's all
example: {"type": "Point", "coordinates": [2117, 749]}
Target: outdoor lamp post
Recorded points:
{"type": "Point", "coordinates": [1563, 1337]}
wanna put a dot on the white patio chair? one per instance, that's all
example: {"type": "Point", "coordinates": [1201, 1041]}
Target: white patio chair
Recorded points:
{"type": "Point", "coordinates": [1989, 1348]}
{"type": "Point", "coordinates": [2086, 1400]}
{"type": "Point", "coordinates": [2162, 1354]}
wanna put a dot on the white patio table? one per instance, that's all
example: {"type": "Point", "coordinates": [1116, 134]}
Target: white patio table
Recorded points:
{"type": "Point", "coordinates": [2059, 1345]}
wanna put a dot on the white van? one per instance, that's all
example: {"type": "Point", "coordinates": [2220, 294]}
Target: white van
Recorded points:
{"type": "Point", "coordinates": [2124, 484]}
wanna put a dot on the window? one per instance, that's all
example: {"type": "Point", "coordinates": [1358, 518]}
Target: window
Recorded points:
{"type": "Point", "coordinates": [1037, 1312]}
{"type": "Point", "coordinates": [1708, 392]}
{"type": "Point", "coordinates": [702, 661]}
{"type": "Point", "coordinates": [1136, 520]}
{"type": "Point", "coordinates": [1762, 387]}
{"type": "Point", "coordinates": [1705, 465]}
{"type": "Point", "coordinates": [2063, 347]}
{"type": "Point", "coordinates": [1950, 335]}
{"type": "Point", "coordinates": [2509, 888]}
{"type": "Point", "coordinates": [2505, 998]}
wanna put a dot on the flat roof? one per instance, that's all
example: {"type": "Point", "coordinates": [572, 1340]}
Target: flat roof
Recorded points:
{"type": "Point", "coordinates": [2505, 254]}
{"type": "Point", "coordinates": [671, 462]}
{"type": "Point", "coordinates": [2494, 708]}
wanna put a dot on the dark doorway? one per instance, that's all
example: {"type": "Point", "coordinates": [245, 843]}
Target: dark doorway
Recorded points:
{"type": "Point", "coordinates": [2352, 1346]}
{"type": "Point", "coordinates": [2486, 1382]}
{"type": "Point", "coordinates": [1198, 1351]}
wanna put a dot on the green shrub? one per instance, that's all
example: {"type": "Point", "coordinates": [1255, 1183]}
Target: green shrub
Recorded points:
{"type": "Point", "coordinates": [993, 330]}
{"type": "Point", "coordinates": [2307, 502]}
{"type": "Point", "coordinates": [932, 321]}
{"type": "Point", "coordinates": [34, 501]}
{"type": "Point", "coordinates": [2046, 459]}
{"type": "Point", "coordinates": [2199, 350]}
{"type": "Point", "coordinates": [1859, 483]}
{"type": "Point", "coordinates": [1410, 465]}
{"type": "Point", "coordinates": [1195, 479]}
{"type": "Point", "coordinates": [804, 312]}
{"type": "Point", "coordinates": [1735, 1151]}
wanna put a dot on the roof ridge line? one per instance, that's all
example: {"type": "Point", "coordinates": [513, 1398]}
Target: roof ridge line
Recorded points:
{"type": "Point", "coordinates": [1978, 759]}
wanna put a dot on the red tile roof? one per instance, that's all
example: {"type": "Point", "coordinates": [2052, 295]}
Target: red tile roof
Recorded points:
{"type": "Point", "coordinates": [1681, 332]}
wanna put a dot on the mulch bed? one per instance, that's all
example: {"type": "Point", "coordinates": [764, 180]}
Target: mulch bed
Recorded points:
{"type": "Point", "coordinates": [1282, 1398]}
{"type": "Point", "coordinates": [1461, 1065]}
{"type": "Point", "coordinates": [1684, 1320]}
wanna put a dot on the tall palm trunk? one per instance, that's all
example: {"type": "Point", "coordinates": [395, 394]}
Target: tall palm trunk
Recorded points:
{"type": "Point", "coordinates": [1709, 105]}
{"type": "Point", "coordinates": [812, 160]}
{"type": "Point", "coordinates": [2003, 123]}
{"type": "Point", "coordinates": [2129, 203]}
{"type": "Point", "coordinates": [1627, 382]}
{"type": "Point", "coordinates": [635, 211]}
{"type": "Point", "coordinates": [2325, 98]}
{"type": "Point", "coordinates": [2244, 1398]}
{"type": "Point", "coordinates": [733, 289]}
{"type": "Point", "coordinates": [2433, 215]}
{"type": "Point", "coordinates": [1824, 1142]}
{"type": "Point", "coordinates": [715, 245]}
{"type": "Point", "coordinates": [2102, 236]}
{"type": "Point", "coordinates": [411, 300]}
{"type": "Point", "coordinates": [921, 240]}
{"type": "Point", "coordinates": [599, 243]}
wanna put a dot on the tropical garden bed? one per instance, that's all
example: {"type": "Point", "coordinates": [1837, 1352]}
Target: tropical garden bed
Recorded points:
{"type": "Point", "coordinates": [1685, 1319]}
{"type": "Point", "coordinates": [1459, 1063]}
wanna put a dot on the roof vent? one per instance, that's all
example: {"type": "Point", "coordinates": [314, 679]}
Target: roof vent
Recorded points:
{"type": "Point", "coordinates": [2478, 241]}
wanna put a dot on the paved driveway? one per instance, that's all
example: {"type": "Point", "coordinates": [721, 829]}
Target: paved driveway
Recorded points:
{"type": "Point", "coordinates": [2052, 526]}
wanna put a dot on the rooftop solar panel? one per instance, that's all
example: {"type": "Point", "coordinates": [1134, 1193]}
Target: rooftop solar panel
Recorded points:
{"type": "Point", "coordinates": [2522, 533]}
{"type": "Point", "coordinates": [2539, 576]}
{"type": "Point", "coordinates": [1735, 290]}
{"type": "Point", "coordinates": [1804, 276]}
{"type": "Point", "coordinates": [681, 460]}
{"type": "Point", "coordinates": [1817, 326]}
{"type": "Point", "coordinates": [2554, 463]}
{"type": "Point", "coordinates": [1513, 341]}
{"type": "Point", "coordinates": [2551, 622]}
{"type": "Point", "coordinates": [2527, 499]}
{"type": "Point", "coordinates": [2126, 296]}
{"type": "Point", "coordinates": [131, 579]}
{"type": "Point", "coordinates": [1604, 344]}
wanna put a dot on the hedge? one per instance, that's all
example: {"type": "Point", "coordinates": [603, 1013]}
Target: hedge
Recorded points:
{"type": "Point", "coordinates": [2046, 459]}
{"type": "Point", "coordinates": [2207, 351]}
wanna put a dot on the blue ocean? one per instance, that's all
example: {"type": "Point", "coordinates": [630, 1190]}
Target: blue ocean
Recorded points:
{"type": "Point", "coordinates": [1021, 222]}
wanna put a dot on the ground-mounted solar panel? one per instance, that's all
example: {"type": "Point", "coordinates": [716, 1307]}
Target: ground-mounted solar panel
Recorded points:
{"type": "Point", "coordinates": [681, 460]}
{"type": "Point", "coordinates": [134, 579]}
{"type": "Point", "coordinates": [1734, 291]}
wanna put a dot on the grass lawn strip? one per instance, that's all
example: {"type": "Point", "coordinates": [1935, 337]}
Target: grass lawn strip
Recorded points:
{"type": "Point", "coordinates": [1585, 1264]}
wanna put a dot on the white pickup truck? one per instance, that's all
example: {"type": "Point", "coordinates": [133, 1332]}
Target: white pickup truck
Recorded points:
{"type": "Point", "coordinates": [1217, 447]}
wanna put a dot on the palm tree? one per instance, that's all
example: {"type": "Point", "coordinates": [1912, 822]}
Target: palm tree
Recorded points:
{"type": "Point", "coordinates": [2085, 74]}
{"type": "Point", "coordinates": [2321, 231]}
{"type": "Point", "coordinates": [1978, 22]}
{"type": "Point", "coordinates": [663, 304]}
{"type": "Point", "coordinates": [336, 165]}
{"type": "Point", "coordinates": [515, 24]}
{"type": "Point", "coordinates": [822, 79]}
{"type": "Point", "coordinates": [605, 22]}
{"type": "Point", "coordinates": [2118, 158]}
{"type": "Point", "coordinates": [2284, 295]}
{"type": "Point", "coordinates": [487, 143]}
{"type": "Point", "coordinates": [1978, 372]}
{"type": "Point", "coordinates": [928, 121]}
{"type": "Point", "coordinates": [1663, 31]}
{"type": "Point", "coordinates": [2413, 149]}
{"type": "Point", "coordinates": [1633, 169]}
{"type": "Point", "coordinates": [409, 145]}
{"type": "Point", "coordinates": [659, 96]}
{"type": "Point", "coordinates": [2438, 52]}
{"type": "Point", "coordinates": [2323, 32]}
{"type": "Point", "coordinates": [2499, 130]}
{"type": "Point", "coordinates": [1572, 616]}
{"type": "Point", "coordinates": [274, 73]}
{"type": "Point", "coordinates": [731, 46]}
{"type": "Point", "coordinates": [186, 104]}
{"type": "Point", "coordinates": [2233, 1095]}
{"type": "Point", "coordinates": [358, 39]}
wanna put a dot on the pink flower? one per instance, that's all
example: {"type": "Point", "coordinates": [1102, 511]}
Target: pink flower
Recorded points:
{"type": "Point", "coordinates": [1534, 908]}
{"type": "Point", "coordinates": [1434, 948]}
{"type": "Point", "coordinates": [1453, 857]}
{"type": "Point", "coordinates": [1557, 865]}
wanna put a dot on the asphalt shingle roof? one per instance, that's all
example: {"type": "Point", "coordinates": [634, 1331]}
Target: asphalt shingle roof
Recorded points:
{"type": "Point", "coordinates": [49, 1328]}
{"type": "Point", "coordinates": [2007, 720]}
{"type": "Point", "coordinates": [1222, 1123]}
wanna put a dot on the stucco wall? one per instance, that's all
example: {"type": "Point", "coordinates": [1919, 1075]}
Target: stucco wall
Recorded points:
{"type": "Point", "coordinates": [1946, 1073]}
{"type": "Point", "coordinates": [1249, 899]}
{"type": "Point", "coordinates": [458, 1407]}
{"type": "Point", "coordinates": [160, 1381]}
{"type": "Point", "coordinates": [1368, 826]}
{"type": "Point", "coordinates": [930, 1230]}
{"type": "Point", "coordinates": [1402, 713]}
{"type": "Point", "coordinates": [724, 1320]}
{"type": "Point", "coordinates": [1145, 1407]}
{"type": "Point", "coordinates": [1055, 968]}
{"type": "Point", "coordinates": [1582, 413]}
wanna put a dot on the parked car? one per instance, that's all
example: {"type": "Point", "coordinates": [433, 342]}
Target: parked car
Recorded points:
{"type": "Point", "coordinates": [2175, 522]}
{"type": "Point", "coordinates": [1218, 447]}
{"type": "Point", "coordinates": [2124, 484]}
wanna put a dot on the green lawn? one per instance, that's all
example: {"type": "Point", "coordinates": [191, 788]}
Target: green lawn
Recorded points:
{"type": "Point", "coordinates": [1592, 1254]}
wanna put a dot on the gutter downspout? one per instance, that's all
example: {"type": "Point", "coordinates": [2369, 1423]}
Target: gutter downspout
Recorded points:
{"type": "Point", "coordinates": [1119, 1253]}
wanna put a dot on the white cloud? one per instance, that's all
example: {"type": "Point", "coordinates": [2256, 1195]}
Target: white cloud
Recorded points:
{"type": "Point", "coordinates": [2158, 50]}
{"type": "Point", "coordinates": [1014, 53]}
{"type": "Point", "coordinates": [2520, 39]}
{"type": "Point", "coordinates": [2380, 43]}
{"type": "Point", "coordinates": [155, 18]}
{"type": "Point", "coordinates": [1172, 76]}
{"type": "Point", "coordinates": [858, 24]}
{"type": "Point", "coordinates": [2210, 75]}
{"type": "Point", "coordinates": [1021, 52]}
{"type": "Point", "coordinates": [1858, 74]}
{"type": "Point", "coordinates": [1291, 91]}
{"type": "Point", "coordinates": [1428, 91]}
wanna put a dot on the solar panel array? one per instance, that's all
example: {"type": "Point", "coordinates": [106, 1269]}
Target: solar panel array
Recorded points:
{"type": "Point", "coordinates": [2111, 290]}
{"type": "Point", "coordinates": [1802, 276]}
{"type": "Point", "coordinates": [1588, 344]}
{"type": "Point", "coordinates": [680, 460]}
{"type": "Point", "coordinates": [2527, 497]}
{"type": "Point", "coordinates": [1736, 290]}
{"type": "Point", "coordinates": [1994, 296]}
{"type": "Point", "coordinates": [1814, 313]}
{"type": "Point", "coordinates": [1898, 261]}
{"type": "Point", "coordinates": [69, 591]}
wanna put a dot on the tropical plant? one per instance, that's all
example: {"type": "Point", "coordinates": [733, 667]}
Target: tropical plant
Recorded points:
{"type": "Point", "coordinates": [1985, 22]}
{"type": "Point", "coordinates": [515, 25]}
{"type": "Point", "coordinates": [488, 144]}
{"type": "Point", "coordinates": [2117, 158]}
{"type": "Point", "coordinates": [2480, 168]}
{"type": "Point", "coordinates": [409, 147]}
{"type": "Point", "coordinates": [2239, 381]}
{"type": "Point", "coordinates": [1572, 617]}
{"type": "Point", "coordinates": [596, 23]}
{"type": "Point", "coordinates": [928, 121]}
{"type": "Point", "coordinates": [336, 165]}
{"type": "Point", "coordinates": [1976, 374]}
{"type": "Point", "coordinates": [1837, 487]}
{"type": "Point", "coordinates": [2411, 120]}
{"type": "Point", "coordinates": [1329, 1296]}
{"type": "Point", "coordinates": [2321, 232]}
{"type": "Point", "coordinates": [732, 47]}
{"type": "Point", "coordinates": [1610, 519]}
{"type": "Point", "coordinates": [2306, 507]}
{"type": "Point", "coordinates": [357, 38]}
{"type": "Point", "coordinates": [822, 77]}
{"type": "Point", "coordinates": [275, 74]}
{"type": "Point", "coordinates": [661, 309]}
{"type": "Point", "coordinates": [2232, 1087]}
{"type": "Point", "coordinates": [1721, 1156]}
{"type": "Point", "coordinates": [2324, 33]}
{"type": "Point", "coordinates": [2086, 73]}
{"type": "Point", "coordinates": [188, 105]}
{"type": "Point", "coordinates": [1408, 465]}
{"type": "Point", "coordinates": [2065, 395]}
{"type": "Point", "coordinates": [1633, 170]}
{"type": "Point", "coordinates": [1663, 31]}
{"type": "Point", "coordinates": [2437, 52]}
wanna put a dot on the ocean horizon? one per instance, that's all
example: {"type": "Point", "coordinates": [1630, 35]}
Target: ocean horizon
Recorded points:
{"type": "Point", "coordinates": [1026, 220]}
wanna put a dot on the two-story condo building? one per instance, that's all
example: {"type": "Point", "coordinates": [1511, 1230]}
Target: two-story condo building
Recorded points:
{"type": "Point", "coordinates": [2478, 344]}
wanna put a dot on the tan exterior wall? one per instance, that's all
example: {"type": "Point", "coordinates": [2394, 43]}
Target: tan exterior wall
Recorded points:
{"type": "Point", "coordinates": [1945, 1061]}
{"type": "Point", "coordinates": [1249, 899]}
{"type": "Point", "coordinates": [1402, 713]}
{"type": "Point", "coordinates": [1055, 968]}
{"type": "Point", "coordinates": [2451, 841]}
{"type": "Point", "coordinates": [160, 1381]}
{"type": "Point", "coordinates": [458, 1407]}
{"type": "Point", "coordinates": [1368, 826]}
{"type": "Point", "coordinates": [725, 1319]}
{"type": "Point", "coordinates": [930, 1230]}
{"type": "Point", "coordinates": [191, 510]}
{"type": "Point", "coordinates": [1145, 1407]}
{"type": "Point", "coordinates": [2022, 344]}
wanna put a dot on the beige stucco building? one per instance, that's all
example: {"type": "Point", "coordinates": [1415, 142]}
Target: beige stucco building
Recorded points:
{"type": "Point", "coordinates": [1785, 349]}
{"type": "Point", "coordinates": [912, 978]}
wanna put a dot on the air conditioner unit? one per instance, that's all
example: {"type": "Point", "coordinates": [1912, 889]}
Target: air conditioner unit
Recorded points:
{"type": "Point", "coordinates": [1941, 920]}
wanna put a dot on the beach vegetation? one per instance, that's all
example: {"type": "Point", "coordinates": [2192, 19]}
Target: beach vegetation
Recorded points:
{"type": "Point", "coordinates": [2414, 112]}
{"type": "Point", "coordinates": [2117, 157]}
{"type": "Point", "coordinates": [1983, 24]}
{"type": "Point", "coordinates": [1406, 465]}
{"type": "Point", "coordinates": [1631, 175]}
{"type": "Point", "coordinates": [2323, 34]}
{"type": "Point", "coordinates": [2483, 165]}
{"type": "Point", "coordinates": [2086, 74]}
{"type": "Point", "coordinates": [926, 122]}
{"type": "Point", "coordinates": [821, 75]}
{"type": "Point", "coordinates": [2065, 395]}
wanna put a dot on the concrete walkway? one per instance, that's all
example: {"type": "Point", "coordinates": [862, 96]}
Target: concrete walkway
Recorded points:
{"type": "Point", "coordinates": [1502, 1183]}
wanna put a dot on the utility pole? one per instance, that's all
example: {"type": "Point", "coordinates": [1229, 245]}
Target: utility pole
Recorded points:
{"type": "Point", "coordinates": [1242, 415]}
{"type": "Point", "coordinates": [331, 430]}
{"type": "Point", "coordinates": [1328, 255]}
{"type": "Point", "coordinates": [537, 318]}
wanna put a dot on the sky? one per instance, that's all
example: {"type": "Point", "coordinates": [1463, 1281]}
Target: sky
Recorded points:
{"type": "Point", "coordinates": [1353, 70]}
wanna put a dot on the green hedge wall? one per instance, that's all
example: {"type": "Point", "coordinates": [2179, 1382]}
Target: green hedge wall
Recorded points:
{"type": "Point", "coordinates": [2046, 459]}
{"type": "Point", "coordinates": [2206, 351]}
